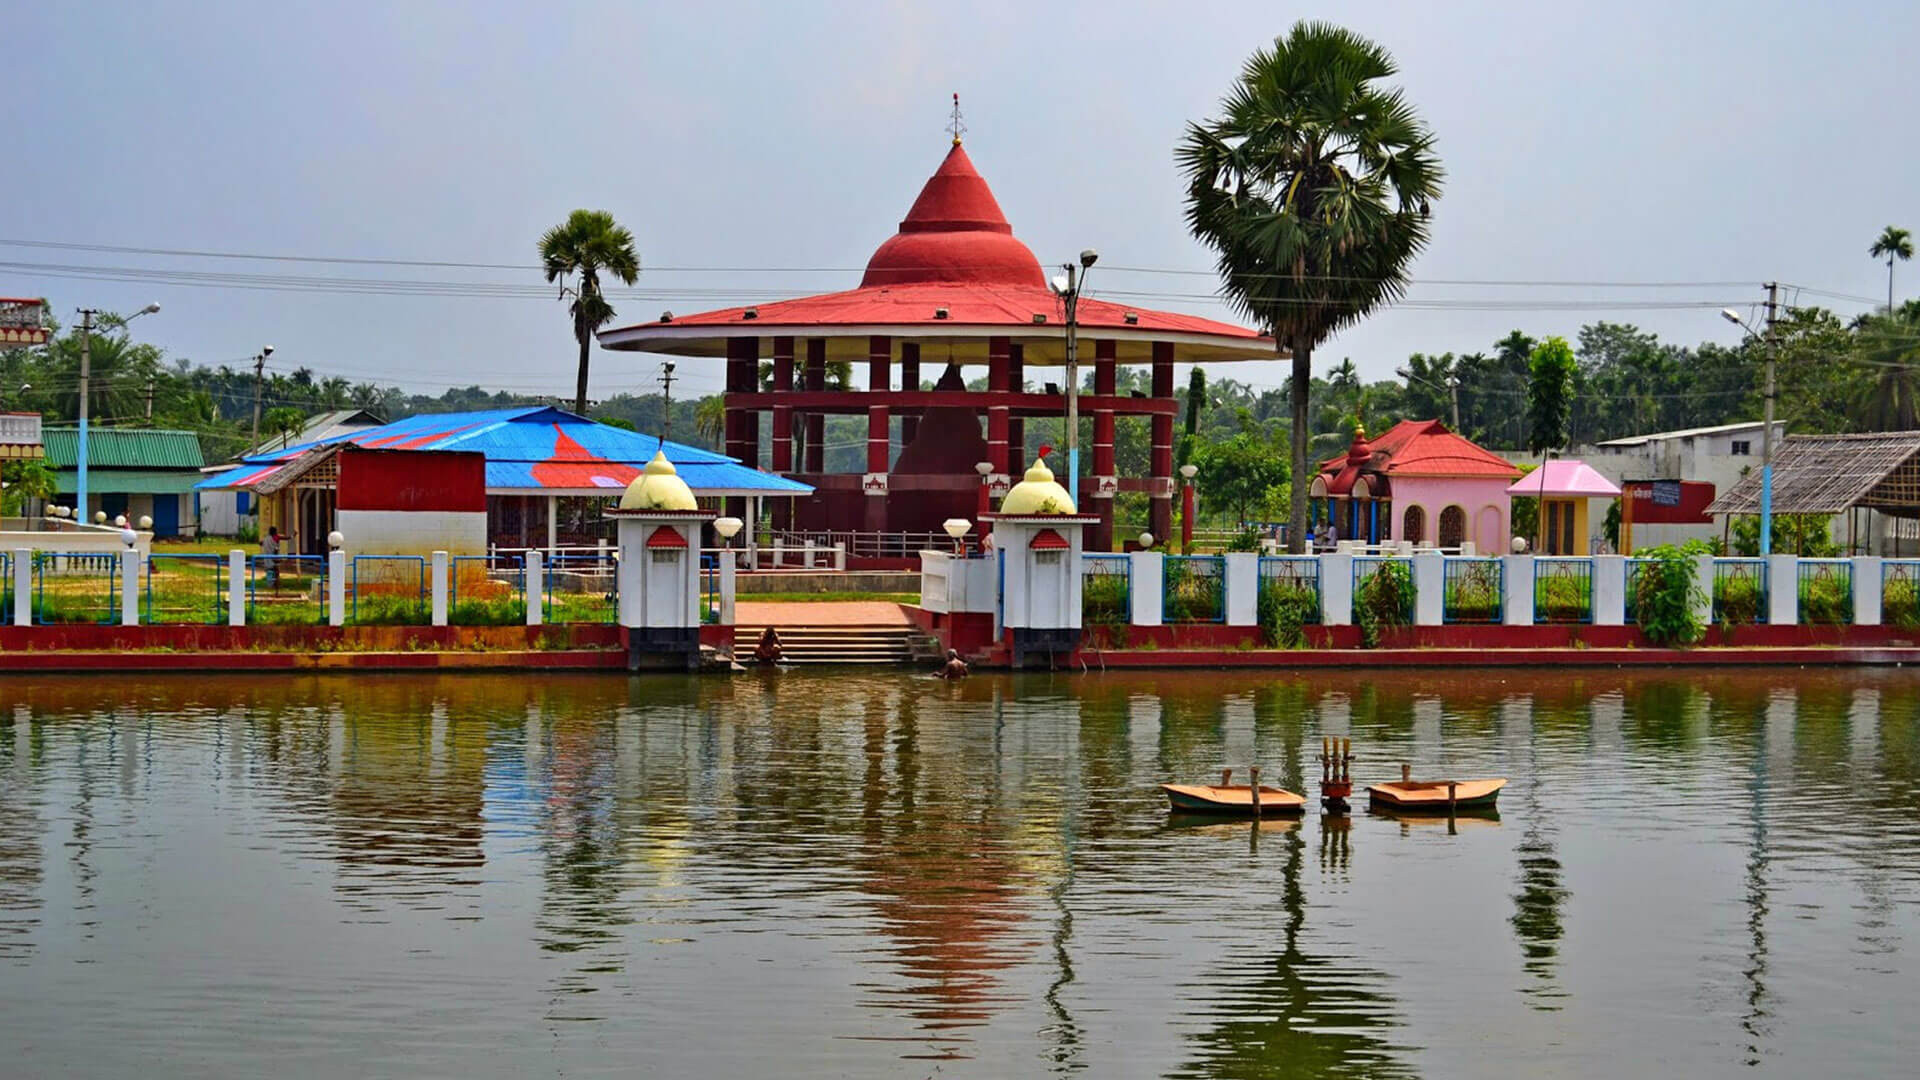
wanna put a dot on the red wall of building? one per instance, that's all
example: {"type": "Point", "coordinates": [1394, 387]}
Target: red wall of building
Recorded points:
{"type": "Point", "coordinates": [446, 481]}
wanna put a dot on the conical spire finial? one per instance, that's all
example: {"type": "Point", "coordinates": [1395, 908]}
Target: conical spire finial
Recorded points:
{"type": "Point", "coordinates": [954, 123]}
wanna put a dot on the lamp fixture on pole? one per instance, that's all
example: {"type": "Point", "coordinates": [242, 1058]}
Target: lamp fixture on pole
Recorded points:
{"type": "Point", "coordinates": [86, 370]}
{"type": "Point", "coordinates": [1067, 286]}
{"type": "Point", "coordinates": [1766, 425]}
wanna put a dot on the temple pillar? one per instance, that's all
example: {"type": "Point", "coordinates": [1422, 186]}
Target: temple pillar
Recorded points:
{"type": "Point", "coordinates": [1161, 515]}
{"type": "Point", "coordinates": [742, 426]}
{"type": "Point", "coordinates": [999, 351]}
{"type": "Point", "coordinates": [1105, 483]}
{"type": "Point", "coordinates": [879, 364]}
{"type": "Point", "coordinates": [816, 423]}
{"type": "Point", "coordinates": [1017, 425]}
{"type": "Point", "coordinates": [1104, 361]}
{"type": "Point", "coordinates": [909, 380]}
{"type": "Point", "coordinates": [875, 482]}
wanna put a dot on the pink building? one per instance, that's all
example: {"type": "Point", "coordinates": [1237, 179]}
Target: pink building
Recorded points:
{"type": "Point", "coordinates": [1418, 482]}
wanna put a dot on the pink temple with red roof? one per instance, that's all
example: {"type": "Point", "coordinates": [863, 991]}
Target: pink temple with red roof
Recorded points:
{"type": "Point", "coordinates": [1417, 482]}
{"type": "Point", "coordinates": [952, 288]}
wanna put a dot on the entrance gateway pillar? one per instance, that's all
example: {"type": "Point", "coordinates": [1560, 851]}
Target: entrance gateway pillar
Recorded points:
{"type": "Point", "coordinates": [742, 427]}
{"type": "Point", "coordinates": [1106, 483]}
{"type": "Point", "coordinates": [1161, 515]}
{"type": "Point", "coordinates": [816, 381]}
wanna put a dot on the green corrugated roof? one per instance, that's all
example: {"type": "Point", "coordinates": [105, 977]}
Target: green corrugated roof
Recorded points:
{"type": "Point", "coordinates": [124, 448]}
{"type": "Point", "coordinates": [127, 481]}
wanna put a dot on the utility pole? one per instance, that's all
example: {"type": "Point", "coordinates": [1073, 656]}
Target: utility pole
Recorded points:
{"type": "Point", "coordinates": [666, 394]}
{"type": "Point", "coordinates": [1766, 432]}
{"type": "Point", "coordinates": [80, 452]}
{"type": "Point", "coordinates": [150, 381]}
{"type": "Point", "coordinates": [1453, 387]}
{"type": "Point", "coordinates": [259, 372]}
{"type": "Point", "coordinates": [1070, 299]}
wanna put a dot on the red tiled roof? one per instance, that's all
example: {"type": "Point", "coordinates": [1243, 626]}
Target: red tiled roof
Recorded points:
{"type": "Point", "coordinates": [666, 536]}
{"type": "Point", "coordinates": [1418, 448]}
{"type": "Point", "coordinates": [1048, 540]}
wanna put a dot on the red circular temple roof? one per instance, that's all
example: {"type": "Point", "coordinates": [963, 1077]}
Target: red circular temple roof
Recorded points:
{"type": "Point", "coordinates": [954, 233]}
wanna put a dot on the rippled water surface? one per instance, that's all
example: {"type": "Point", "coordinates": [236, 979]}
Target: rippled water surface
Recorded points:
{"type": "Point", "coordinates": [875, 875]}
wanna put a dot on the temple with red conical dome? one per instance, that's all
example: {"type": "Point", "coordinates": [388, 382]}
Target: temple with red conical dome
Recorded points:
{"type": "Point", "coordinates": [952, 288]}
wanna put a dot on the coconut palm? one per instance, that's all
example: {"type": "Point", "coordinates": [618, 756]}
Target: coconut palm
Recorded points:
{"type": "Point", "coordinates": [1889, 347]}
{"type": "Point", "coordinates": [710, 419]}
{"type": "Point", "coordinates": [1313, 190]}
{"type": "Point", "coordinates": [1894, 244]}
{"type": "Point", "coordinates": [588, 243]}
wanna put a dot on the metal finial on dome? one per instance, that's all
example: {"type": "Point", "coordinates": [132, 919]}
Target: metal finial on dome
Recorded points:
{"type": "Point", "coordinates": [954, 123]}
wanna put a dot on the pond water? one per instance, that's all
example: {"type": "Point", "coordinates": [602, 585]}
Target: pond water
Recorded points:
{"type": "Point", "coordinates": [876, 875]}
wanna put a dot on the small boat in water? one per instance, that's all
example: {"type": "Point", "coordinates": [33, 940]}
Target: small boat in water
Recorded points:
{"type": "Point", "coordinates": [1436, 796]}
{"type": "Point", "coordinates": [1236, 799]}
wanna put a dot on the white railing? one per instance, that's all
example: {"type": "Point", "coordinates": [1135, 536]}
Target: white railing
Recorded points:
{"type": "Point", "coordinates": [21, 429]}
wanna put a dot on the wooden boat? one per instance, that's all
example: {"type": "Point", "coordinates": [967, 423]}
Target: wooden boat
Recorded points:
{"type": "Point", "coordinates": [1231, 799]}
{"type": "Point", "coordinates": [1437, 796]}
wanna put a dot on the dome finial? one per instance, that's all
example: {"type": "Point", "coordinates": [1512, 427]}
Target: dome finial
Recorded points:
{"type": "Point", "coordinates": [954, 124]}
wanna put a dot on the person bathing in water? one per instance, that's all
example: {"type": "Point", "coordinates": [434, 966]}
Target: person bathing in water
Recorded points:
{"type": "Point", "coordinates": [768, 650]}
{"type": "Point", "coordinates": [955, 668]}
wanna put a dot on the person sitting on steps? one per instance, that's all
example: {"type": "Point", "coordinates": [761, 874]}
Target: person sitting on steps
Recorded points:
{"type": "Point", "coordinates": [768, 650]}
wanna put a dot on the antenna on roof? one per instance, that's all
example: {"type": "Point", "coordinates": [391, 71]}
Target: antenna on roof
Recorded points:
{"type": "Point", "coordinates": [954, 124]}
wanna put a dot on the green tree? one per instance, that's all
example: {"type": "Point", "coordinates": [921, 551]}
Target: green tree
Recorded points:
{"type": "Point", "coordinates": [710, 419]}
{"type": "Point", "coordinates": [1549, 394]}
{"type": "Point", "coordinates": [24, 480]}
{"type": "Point", "coordinates": [1196, 400]}
{"type": "Point", "coordinates": [588, 243]}
{"type": "Point", "coordinates": [283, 423]}
{"type": "Point", "coordinates": [1894, 244]}
{"type": "Point", "coordinates": [1237, 473]}
{"type": "Point", "coordinates": [1313, 189]}
{"type": "Point", "coordinates": [1888, 347]}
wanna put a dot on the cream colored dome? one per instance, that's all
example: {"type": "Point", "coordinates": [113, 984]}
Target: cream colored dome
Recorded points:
{"type": "Point", "coordinates": [658, 487]}
{"type": "Point", "coordinates": [1037, 493]}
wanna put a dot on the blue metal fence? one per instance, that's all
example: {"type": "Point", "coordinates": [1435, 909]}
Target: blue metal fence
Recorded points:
{"type": "Point", "coordinates": [1281, 575]}
{"type": "Point", "coordinates": [487, 590]}
{"type": "Point", "coordinates": [1194, 589]}
{"type": "Point", "coordinates": [185, 589]}
{"type": "Point", "coordinates": [1367, 567]}
{"type": "Point", "coordinates": [1825, 591]}
{"type": "Point", "coordinates": [85, 587]}
{"type": "Point", "coordinates": [1900, 593]}
{"type": "Point", "coordinates": [582, 588]}
{"type": "Point", "coordinates": [1740, 589]}
{"type": "Point", "coordinates": [1562, 589]}
{"type": "Point", "coordinates": [387, 589]}
{"type": "Point", "coordinates": [1634, 567]}
{"type": "Point", "coordinates": [287, 590]}
{"type": "Point", "coordinates": [709, 590]}
{"type": "Point", "coordinates": [1474, 590]}
{"type": "Point", "coordinates": [1106, 589]}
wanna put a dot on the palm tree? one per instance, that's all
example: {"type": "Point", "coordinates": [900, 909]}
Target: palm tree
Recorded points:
{"type": "Point", "coordinates": [1343, 382]}
{"type": "Point", "coordinates": [1889, 347]}
{"type": "Point", "coordinates": [710, 419]}
{"type": "Point", "coordinates": [1894, 244]}
{"type": "Point", "coordinates": [589, 242]}
{"type": "Point", "coordinates": [1313, 190]}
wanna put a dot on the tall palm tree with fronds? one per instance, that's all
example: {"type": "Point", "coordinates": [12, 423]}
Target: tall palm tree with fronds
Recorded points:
{"type": "Point", "coordinates": [589, 243]}
{"type": "Point", "coordinates": [1894, 244]}
{"type": "Point", "coordinates": [1888, 346]}
{"type": "Point", "coordinates": [1313, 189]}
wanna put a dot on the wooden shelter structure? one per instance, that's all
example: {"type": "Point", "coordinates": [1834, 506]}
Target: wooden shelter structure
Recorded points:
{"type": "Point", "coordinates": [1837, 475]}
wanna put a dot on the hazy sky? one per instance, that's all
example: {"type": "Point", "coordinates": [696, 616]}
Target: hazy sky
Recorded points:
{"type": "Point", "coordinates": [1621, 142]}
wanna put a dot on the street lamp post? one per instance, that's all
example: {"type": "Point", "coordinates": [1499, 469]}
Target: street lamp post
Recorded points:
{"type": "Point", "coordinates": [1452, 388]}
{"type": "Point", "coordinates": [1186, 507]}
{"type": "Point", "coordinates": [86, 370]}
{"type": "Point", "coordinates": [1766, 427]}
{"type": "Point", "coordinates": [1068, 287]}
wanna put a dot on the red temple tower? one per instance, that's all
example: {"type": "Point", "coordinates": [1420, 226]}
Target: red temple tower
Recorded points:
{"type": "Point", "coordinates": [953, 288]}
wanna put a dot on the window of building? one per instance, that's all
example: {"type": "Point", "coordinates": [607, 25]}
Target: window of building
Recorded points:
{"type": "Point", "coordinates": [1453, 526]}
{"type": "Point", "coordinates": [1048, 557]}
{"type": "Point", "coordinates": [1742, 447]}
{"type": "Point", "coordinates": [1414, 525]}
{"type": "Point", "coordinates": [665, 555]}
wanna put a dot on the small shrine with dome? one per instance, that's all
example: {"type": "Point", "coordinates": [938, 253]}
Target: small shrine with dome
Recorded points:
{"type": "Point", "coordinates": [659, 523]}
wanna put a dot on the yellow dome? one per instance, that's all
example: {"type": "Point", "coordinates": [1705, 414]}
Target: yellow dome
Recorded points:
{"type": "Point", "coordinates": [658, 487]}
{"type": "Point", "coordinates": [1037, 493]}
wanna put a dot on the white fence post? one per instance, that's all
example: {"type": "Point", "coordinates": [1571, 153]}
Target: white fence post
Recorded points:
{"type": "Point", "coordinates": [336, 588]}
{"type": "Point", "coordinates": [1336, 588]}
{"type": "Point", "coordinates": [23, 586]}
{"type": "Point", "coordinates": [441, 564]}
{"type": "Point", "coordinates": [1243, 588]}
{"type": "Point", "coordinates": [1147, 584]}
{"type": "Point", "coordinates": [728, 572]}
{"type": "Point", "coordinates": [1867, 585]}
{"type": "Point", "coordinates": [839, 556]}
{"type": "Point", "coordinates": [236, 587]}
{"type": "Point", "coordinates": [130, 587]}
{"type": "Point", "coordinates": [1429, 588]}
{"type": "Point", "coordinates": [1703, 589]}
{"type": "Point", "coordinates": [1783, 590]}
{"type": "Point", "coordinates": [534, 587]}
{"type": "Point", "coordinates": [1609, 590]}
{"type": "Point", "coordinates": [1519, 590]}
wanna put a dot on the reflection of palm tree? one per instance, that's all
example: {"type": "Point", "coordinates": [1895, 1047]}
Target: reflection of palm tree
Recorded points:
{"type": "Point", "coordinates": [1537, 919]}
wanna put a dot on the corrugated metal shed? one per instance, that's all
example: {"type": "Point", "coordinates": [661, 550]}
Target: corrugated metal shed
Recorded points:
{"type": "Point", "coordinates": [124, 448]}
{"type": "Point", "coordinates": [127, 481]}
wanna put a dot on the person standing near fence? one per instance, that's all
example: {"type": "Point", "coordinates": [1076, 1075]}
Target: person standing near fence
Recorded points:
{"type": "Point", "coordinates": [269, 547]}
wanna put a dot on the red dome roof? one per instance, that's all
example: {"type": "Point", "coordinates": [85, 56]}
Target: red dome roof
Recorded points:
{"type": "Point", "coordinates": [954, 233]}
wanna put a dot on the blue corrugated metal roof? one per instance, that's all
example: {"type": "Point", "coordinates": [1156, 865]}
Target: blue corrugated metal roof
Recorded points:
{"type": "Point", "coordinates": [539, 448]}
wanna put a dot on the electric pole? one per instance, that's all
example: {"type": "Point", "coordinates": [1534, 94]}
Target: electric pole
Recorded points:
{"type": "Point", "coordinates": [666, 395]}
{"type": "Point", "coordinates": [259, 372]}
{"type": "Point", "coordinates": [150, 381]}
{"type": "Point", "coordinates": [1453, 387]}
{"type": "Point", "coordinates": [80, 453]}
{"type": "Point", "coordinates": [1766, 432]}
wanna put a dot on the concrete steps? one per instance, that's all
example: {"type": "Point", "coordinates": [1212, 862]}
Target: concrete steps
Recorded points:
{"type": "Point", "coordinates": [836, 644]}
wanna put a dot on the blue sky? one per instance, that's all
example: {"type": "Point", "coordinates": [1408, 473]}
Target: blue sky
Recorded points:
{"type": "Point", "coordinates": [1671, 142]}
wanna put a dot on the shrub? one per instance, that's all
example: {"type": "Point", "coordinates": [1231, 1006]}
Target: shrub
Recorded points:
{"type": "Point", "coordinates": [1286, 609]}
{"type": "Point", "coordinates": [1563, 598]}
{"type": "Point", "coordinates": [1104, 600]}
{"type": "Point", "coordinates": [1247, 539]}
{"type": "Point", "coordinates": [1191, 596]}
{"type": "Point", "coordinates": [501, 612]}
{"type": "Point", "coordinates": [1384, 600]}
{"type": "Point", "coordinates": [1472, 594]}
{"type": "Point", "coordinates": [1736, 599]}
{"type": "Point", "coordinates": [1826, 601]}
{"type": "Point", "coordinates": [1664, 594]}
{"type": "Point", "coordinates": [1900, 603]}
